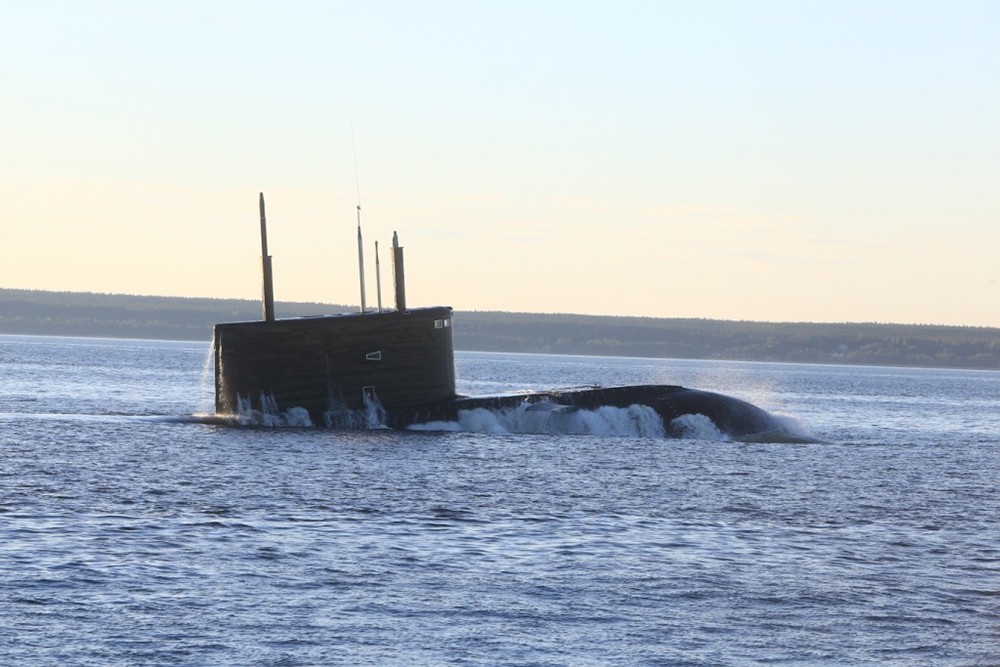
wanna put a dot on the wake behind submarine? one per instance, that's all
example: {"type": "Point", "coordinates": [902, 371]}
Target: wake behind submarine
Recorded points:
{"type": "Point", "coordinates": [395, 368]}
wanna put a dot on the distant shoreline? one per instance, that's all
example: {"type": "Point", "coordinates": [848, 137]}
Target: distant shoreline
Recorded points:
{"type": "Point", "coordinates": [74, 314]}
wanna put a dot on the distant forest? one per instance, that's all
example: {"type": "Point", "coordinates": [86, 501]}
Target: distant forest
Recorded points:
{"type": "Point", "coordinates": [173, 318]}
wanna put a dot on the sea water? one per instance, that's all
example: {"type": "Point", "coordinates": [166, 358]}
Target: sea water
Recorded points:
{"type": "Point", "coordinates": [132, 532]}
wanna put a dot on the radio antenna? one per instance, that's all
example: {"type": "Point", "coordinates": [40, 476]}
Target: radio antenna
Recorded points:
{"type": "Point", "coordinates": [357, 179]}
{"type": "Point", "coordinates": [361, 250]}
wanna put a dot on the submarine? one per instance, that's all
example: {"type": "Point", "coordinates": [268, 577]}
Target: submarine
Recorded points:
{"type": "Point", "coordinates": [395, 368]}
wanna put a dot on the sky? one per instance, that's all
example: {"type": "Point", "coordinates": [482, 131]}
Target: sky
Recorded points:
{"type": "Point", "coordinates": [767, 160]}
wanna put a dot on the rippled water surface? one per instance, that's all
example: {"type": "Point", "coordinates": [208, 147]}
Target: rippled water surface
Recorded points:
{"type": "Point", "coordinates": [131, 533]}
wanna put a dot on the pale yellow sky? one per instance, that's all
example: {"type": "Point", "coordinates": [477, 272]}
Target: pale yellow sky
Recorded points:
{"type": "Point", "coordinates": [757, 161]}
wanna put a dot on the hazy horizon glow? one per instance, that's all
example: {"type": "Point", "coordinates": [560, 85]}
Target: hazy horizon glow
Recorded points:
{"type": "Point", "coordinates": [773, 161]}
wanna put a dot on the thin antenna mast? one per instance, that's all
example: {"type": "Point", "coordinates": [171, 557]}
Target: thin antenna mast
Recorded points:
{"type": "Point", "coordinates": [378, 278]}
{"type": "Point", "coordinates": [267, 299]}
{"type": "Point", "coordinates": [361, 249]}
{"type": "Point", "coordinates": [361, 262]}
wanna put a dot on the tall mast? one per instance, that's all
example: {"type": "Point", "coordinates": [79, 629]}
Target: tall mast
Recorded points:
{"type": "Point", "coordinates": [378, 279]}
{"type": "Point", "coordinates": [397, 273]}
{"type": "Point", "coordinates": [268, 296]}
{"type": "Point", "coordinates": [361, 261]}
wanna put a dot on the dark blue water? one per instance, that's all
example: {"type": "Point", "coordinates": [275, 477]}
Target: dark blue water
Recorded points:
{"type": "Point", "coordinates": [131, 534]}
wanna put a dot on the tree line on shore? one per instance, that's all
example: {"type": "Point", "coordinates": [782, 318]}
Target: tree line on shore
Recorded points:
{"type": "Point", "coordinates": [174, 318]}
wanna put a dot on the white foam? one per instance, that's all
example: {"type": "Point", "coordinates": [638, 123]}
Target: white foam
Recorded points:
{"type": "Point", "coordinates": [635, 421]}
{"type": "Point", "coordinates": [371, 416]}
{"type": "Point", "coordinates": [269, 414]}
{"type": "Point", "coordinates": [794, 427]}
{"type": "Point", "coordinates": [206, 390]}
{"type": "Point", "coordinates": [696, 427]}
{"type": "Point", "coordinates": [298, 417]}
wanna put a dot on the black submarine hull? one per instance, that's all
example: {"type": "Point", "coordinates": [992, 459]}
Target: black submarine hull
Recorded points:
{"type": "Point", "coordinates": [396, 369]}
{"type": "Point", "coordinates": [733, 417]}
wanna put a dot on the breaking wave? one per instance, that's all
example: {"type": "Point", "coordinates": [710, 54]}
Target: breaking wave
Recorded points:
{"type": "Point", "coordinates": [635, 420]}
{"type": "Point", "coordinates": [371, 416]}
{"type": "Point", "coordinates": [696, 427]}
{"type": "Point", "coordinates": [338, 416]}
{"type": "Point", "coordinates": [269, 414]}
{"type": "Point", "coordinates": [540, 417]}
